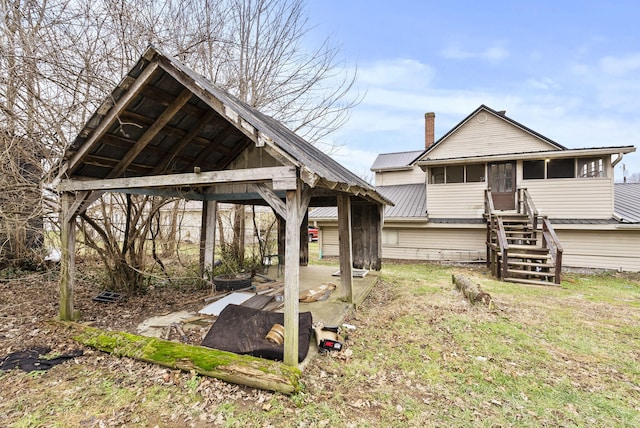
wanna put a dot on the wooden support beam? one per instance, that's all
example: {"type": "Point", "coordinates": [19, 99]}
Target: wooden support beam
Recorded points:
{"type": "Point", "coordinates": [177, 180]}
{"type": "Point", "coordinates": [292, 278]}
{"type": "Point", "coordinates": [345, 247]}
{"type": "Point", "coordinates": [208, 237]}
{"type": "Point", "coordinates": [109, 119]}
{"type": "Point", "coordinates": [153, 130]}
{"type": "Point", "coordinates": [162, 166]}
{"type": "Point", "coordinates": [272, 199]}
{"type": "Point", "coordinates": [67, 260]}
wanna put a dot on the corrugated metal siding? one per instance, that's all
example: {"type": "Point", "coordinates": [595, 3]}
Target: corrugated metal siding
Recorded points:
{"type": "Point", "coordinates": [456, 200]}
{"type": "Point", "coordinates": [395, 160]}
{"type": "Point", "coordinates": [604, 249]}
{"type": "Point", "coordinates": [493, 136]}
{"type": "Point", "coordinates": [409, 200]}
{"type": "Point", "coordinates": [572, 198]}
{"type": "Point", "coordinates": [627, 201]}
{"type": "Point", "coordinates": [392, 178]}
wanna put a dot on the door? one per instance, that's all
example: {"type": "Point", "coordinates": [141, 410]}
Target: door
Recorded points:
{"type": "Point", "coordinates": [502, 179]}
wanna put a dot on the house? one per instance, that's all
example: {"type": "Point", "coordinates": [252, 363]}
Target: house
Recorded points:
{"type": "Point", "coordinates": [449, 196]}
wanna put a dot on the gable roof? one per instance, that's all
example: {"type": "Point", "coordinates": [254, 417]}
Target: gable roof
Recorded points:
{"type": "Point", "coordinates": [395, 161]}
{"type": "Point", "coordinates": [627, 202]}
{"type": "Point", "coordinates": [164, 118]}
{"type": "Point", "coordinates": [500, 115]}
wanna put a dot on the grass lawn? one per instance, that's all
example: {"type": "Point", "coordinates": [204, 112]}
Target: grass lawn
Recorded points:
{"type": "Point", "coordinates": [420, 356]}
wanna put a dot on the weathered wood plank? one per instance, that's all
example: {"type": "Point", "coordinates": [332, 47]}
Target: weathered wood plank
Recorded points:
{"type": "Point", "coordinates": [151, 132]}
{"type": "Point", "coordinates": [109, 119]}
{"type": "Point", "coordinates": [292, 278]}
{"type": "Point", "coordinates": [345, 245]}
{"type": "Point", "coordinates": [67, 260]}
{"type": "Point", "coordinates": [188, 179]}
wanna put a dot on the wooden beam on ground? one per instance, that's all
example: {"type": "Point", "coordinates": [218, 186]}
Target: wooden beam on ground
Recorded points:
{"type": "Point", "coordinates": [227, 366]}
{"type": "Point", "coordinates": [238, 176]}
{"type": "Point", "coordinates": [292, 278]}
{"type": "Point", "coordinates": [345, 247]}
{"type": "Point", "coordinates": [67, 259]}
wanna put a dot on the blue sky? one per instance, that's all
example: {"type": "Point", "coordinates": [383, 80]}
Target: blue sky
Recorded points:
{"type": "Point", "coordinates": [569, 70]}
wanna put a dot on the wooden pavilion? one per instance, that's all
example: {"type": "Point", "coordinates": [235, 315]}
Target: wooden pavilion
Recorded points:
{"type": "Point", "coordinates": [165, 130]}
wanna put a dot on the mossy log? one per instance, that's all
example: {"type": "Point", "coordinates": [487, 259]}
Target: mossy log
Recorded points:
{"type": "Point", "coordinates": [471, 290]}
{"type": "Point", "coordinates": [227, 366]}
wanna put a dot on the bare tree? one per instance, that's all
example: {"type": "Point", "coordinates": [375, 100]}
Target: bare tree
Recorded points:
{"type": "Point", "coordinates": [63, 56]}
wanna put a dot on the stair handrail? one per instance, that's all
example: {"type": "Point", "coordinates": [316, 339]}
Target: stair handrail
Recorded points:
{"type": "Point", "coordinates": [550, 240]}
{"type": "Point", "coordinates": [488, 202]}
{"type": "Point", "coordinates": [529, 207]}
{"type": "Point", "coordinates": [504, 246]}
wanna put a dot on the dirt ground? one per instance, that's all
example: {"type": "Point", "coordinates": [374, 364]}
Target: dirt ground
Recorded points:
{"type": "Point", "coordinates": [99, 390]}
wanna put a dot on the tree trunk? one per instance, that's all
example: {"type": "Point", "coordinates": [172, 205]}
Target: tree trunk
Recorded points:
{"type": "Point", "coordinates": [470, 290]}
{"type": "Point", "coordinates": [227, 366]}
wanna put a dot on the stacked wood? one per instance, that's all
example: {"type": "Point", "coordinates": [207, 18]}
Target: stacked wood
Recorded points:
{"type": "Point", "coordinates": [227, 366]}
{"type": "Point", "coordinates": [471, 290]}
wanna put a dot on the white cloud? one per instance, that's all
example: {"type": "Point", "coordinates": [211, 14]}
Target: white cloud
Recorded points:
{"type": "Point", "coordinates": [395, 73]}
{"type": "Point", "coordinates": [618, 66]}
{"type": "Point", "coordinates": [575, 110]}
{"type": "Point", "coordinates": [493, 53]}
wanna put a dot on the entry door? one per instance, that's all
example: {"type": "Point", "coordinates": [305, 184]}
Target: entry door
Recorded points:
{"type": "Point", "coordinates": [502, 179]}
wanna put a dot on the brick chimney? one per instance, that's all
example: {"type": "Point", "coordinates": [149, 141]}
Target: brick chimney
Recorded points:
{"type": "Point", "coordinates": [429, 125]}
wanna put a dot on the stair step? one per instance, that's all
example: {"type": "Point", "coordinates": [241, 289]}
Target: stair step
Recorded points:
{"type": "Point", "coordinates": [528, 256]}
{"type": "Point", "coordinates": [536, 264]}
{"type": "Point", "coordinates": [528, 248]}
{"type": "Point", "coordinates": [530, 273]}
{"type": "Point", "coordinates": [530, 281]}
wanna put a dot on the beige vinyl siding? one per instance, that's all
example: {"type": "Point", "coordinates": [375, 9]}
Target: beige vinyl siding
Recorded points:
{"type": "Point", "coordinates": [617, 249]}
{"type": "Point", "coordinates": [491, 137]}
{"type": "Point", "coordinates": [393, 178]}
{"type": "Point", "coordinates": [455, 200]}
{"type": "Point", "coordinates": [603, 249]}
{"type": "Point", "coordinates": [572, 197]}
{"type": "Point", "coordinates": [328, 238]}
{"type": "Point", "coordinates": [438, 245]}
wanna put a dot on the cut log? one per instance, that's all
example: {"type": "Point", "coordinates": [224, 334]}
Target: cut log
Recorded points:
{"type": "Point", "coordinates": [471, 290]}
{"type": "Point", "coordinates": [227, 366]}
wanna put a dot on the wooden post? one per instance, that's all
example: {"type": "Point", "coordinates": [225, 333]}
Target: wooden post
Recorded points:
{"type": "Point", "coordinates": [344, 238]}
{"type": "Point", "coordinates": [68, 256]}
{"type": "Point", "coordinates": [292, 278]}
{"type": "Point", "coordinates": [208, 237]}
{"type": "Point", "coordinates": [304, 240]}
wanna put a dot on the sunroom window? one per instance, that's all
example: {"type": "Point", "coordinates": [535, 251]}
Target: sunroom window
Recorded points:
{"type": "Point", "coordinates": [590, 167]}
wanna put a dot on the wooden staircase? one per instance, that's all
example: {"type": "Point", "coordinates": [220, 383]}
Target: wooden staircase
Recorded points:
{"type": "Point", "coordinates": [522, 246]}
